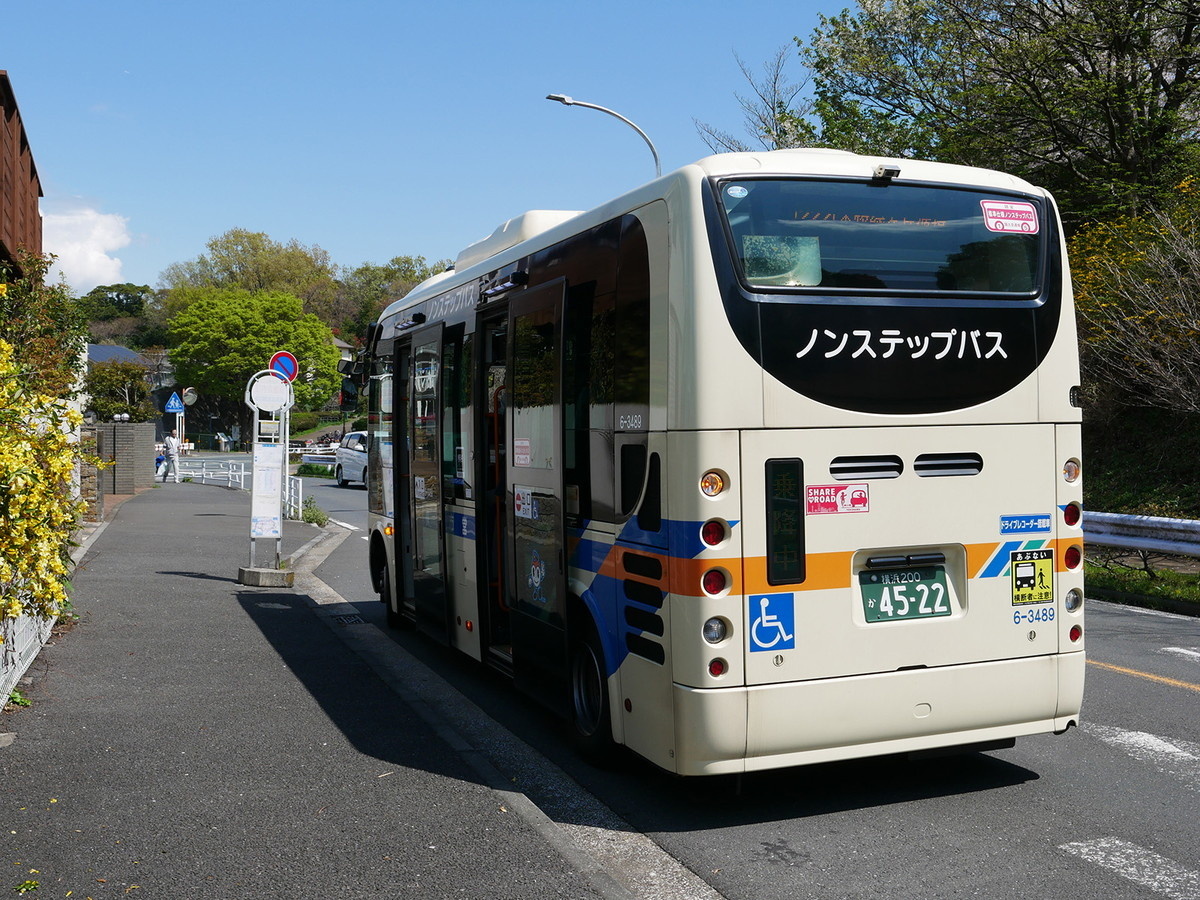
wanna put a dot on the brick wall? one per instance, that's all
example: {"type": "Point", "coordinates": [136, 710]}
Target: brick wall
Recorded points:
{"type": "Point", "coordinates": [20, 220]}
{"type": "Point", "coordinates": [90, 488]}
{"type": "Point", "coordinates": [130, 446]}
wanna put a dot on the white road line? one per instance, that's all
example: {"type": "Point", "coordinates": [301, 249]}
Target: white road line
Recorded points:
{"type": "Point", "coordinates": [346, 525]}
{"type": "Point", "coordinates": [1185, 652]}
{"type": "Point", "coordinates": [1180, 759]}
{"type": "Point", "coordinates": [1139, 865]}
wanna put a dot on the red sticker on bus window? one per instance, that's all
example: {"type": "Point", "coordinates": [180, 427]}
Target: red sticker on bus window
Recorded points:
{"type": "Point", "coordinates": [1010, 216]}
{"type": "Point", "coordinates": [823, 499]}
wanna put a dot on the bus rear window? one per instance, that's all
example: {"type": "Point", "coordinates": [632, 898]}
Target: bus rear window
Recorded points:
{"type": "Point", "coordinates": [802, 234]}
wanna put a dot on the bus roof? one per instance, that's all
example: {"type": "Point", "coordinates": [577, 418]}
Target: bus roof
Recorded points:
{"type": "Point", "coordinates": [786, 163]}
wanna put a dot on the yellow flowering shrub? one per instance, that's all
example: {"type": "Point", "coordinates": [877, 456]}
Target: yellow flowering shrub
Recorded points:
{"type": "Point", "coordinates": [38, 510]}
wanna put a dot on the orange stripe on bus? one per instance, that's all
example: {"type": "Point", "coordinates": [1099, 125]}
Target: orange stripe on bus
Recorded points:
{"type": "Point", "coordinates": [978, 555]}
{"type": "Point", "coordinates": [823, 571]}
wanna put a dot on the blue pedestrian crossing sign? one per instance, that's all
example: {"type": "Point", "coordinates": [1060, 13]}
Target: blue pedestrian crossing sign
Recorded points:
{"type": "Point", "coordinates": [174, 405]}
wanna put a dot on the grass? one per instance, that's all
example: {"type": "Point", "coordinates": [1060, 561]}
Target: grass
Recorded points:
{"type": "Point", "coordinates": [1157, 584]}
{"type": "Point", "coordinates": [313, 514]}
{"type": "Point", "coordinates": [1142, 462]}
{"type": "Point", "coordinates": [314, 470]}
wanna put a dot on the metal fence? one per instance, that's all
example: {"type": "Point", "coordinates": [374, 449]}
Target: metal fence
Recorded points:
{"type": "Point", "coordinates": [23, 639]}
{"type": "Point", "coordinates": [235, 474]}
{"type": "Point", "coordinates": [1154, 534]}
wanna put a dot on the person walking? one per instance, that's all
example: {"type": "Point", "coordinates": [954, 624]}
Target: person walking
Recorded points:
{"type": "Point", "coordinates": [171, 448]}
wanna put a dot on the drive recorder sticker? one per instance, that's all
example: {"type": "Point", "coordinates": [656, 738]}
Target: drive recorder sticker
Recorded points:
{"type": "Point", "coordinates": [824, 499]}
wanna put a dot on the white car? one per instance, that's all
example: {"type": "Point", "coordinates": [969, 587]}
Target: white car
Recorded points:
{"type": "Point", "coordinates": [350, 459]}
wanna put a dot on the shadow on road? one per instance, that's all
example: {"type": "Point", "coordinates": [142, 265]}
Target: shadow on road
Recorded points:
{"type": "Point", "coordinates": [372, 717]}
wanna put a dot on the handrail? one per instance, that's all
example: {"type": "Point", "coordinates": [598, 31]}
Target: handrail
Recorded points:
{"type": "Point", "coordinates": [235, 474]}
{"type": "Point", "coordinates": [1156, 534]}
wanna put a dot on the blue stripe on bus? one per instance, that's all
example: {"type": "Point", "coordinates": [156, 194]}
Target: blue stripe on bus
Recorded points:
{"type": "Point", "coordinates": [589, 555]}
{"type": "Point", "coordinates": [999, 562]}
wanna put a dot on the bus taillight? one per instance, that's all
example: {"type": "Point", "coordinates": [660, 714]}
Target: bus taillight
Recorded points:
{"type": "Point", "coordinates": [714, 581]}
{"type": "Point", "coordinates": [1073, 557]}
{"type": "Point", "coordinates": [717, 668]}
{"type": "Point", "coordinates": [712, 532]}
{"type": "Point", "coordinates": [1076, 633]}
{"type": "Point", "coordinates": [1072, 513]}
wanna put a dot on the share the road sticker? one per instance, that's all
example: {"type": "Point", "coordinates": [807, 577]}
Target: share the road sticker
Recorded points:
{"type": "Point", "coordinates": [1032, 576]}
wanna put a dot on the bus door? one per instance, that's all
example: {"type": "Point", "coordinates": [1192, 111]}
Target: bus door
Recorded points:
{"type": "Point", "coordinates": [536, 576]}
{"type": "Point", "coordinates": [425, 453]}
{"type": "Point", "coordinates": [491, 460]}
{"type": "Point", "coordinates": [401, 482]}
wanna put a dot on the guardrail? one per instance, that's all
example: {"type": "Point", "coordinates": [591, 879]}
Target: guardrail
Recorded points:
{"type": "Point", "coordinates": [231, 473]}
{"type": "Point", "coordinates": [1155, 534]}
{"type": "Point", "coordinates": [234, 474]}
{"type": "Point", "coordinates": [319, 458]}
{"type": "Point", "coordinates": [293, 497]}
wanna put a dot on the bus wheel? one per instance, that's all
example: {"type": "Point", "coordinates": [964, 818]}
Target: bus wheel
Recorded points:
{"type": "Point", "coordinates": [591, 727]}
{"type": "Point", "coordinates": [341, 480]}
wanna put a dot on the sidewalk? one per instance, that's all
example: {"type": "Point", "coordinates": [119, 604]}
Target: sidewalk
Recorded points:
{"type": "Point", "coordinates": [192, 737]}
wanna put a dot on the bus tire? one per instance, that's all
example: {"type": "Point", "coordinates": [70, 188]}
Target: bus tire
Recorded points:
{"type": "Point", "coordinates": [341, 479]}
{"type": "Point", "coordinates": [590, 723]}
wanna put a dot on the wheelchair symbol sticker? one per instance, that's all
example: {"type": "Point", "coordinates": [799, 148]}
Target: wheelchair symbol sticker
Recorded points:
{"type": "Point", "coordinates": [772, 622]}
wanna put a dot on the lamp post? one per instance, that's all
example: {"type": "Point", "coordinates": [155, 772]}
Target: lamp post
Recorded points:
{"type": "Point", "coordinates": [570, 101]}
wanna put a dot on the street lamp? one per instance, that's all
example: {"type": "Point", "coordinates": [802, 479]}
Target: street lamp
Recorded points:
{"type": "Point", "coordinates": [570, 101]}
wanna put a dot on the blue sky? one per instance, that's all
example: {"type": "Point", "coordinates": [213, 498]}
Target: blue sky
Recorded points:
{"type": "Point", "coordinates": [372, 129]}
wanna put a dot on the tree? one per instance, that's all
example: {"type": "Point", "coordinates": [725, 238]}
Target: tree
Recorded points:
{"type": "Point", "coordinates": [115, 301]}
{"type": "Point", "coordinates": [369, 288]}
{"type": "Point", "coordinates": [768, 114]}
{"type": "Point", "coordinates": [1137, 289]}
{"type": "Point", "coordinates": [1098, 100]}
{"type": "Point", "coordinates": [120, 386]}
{"type": "Point", "coordinates": [250, 260]}
{"type": "Point", "coordinates": [42, 324]}
{"type": "Point", "coordinates": [225, 335]}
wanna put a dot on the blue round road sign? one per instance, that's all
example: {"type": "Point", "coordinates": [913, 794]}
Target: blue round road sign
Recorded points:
{"type": "Point", "coordinates": [284, 365]}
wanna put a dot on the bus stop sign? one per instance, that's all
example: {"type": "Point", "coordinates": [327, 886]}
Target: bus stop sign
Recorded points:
{"type": "Point", "coordinates": [284, 365]}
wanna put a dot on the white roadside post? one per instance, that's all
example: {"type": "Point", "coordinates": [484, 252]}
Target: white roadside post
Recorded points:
{"type": "Point", "coordinates": [270, 396]}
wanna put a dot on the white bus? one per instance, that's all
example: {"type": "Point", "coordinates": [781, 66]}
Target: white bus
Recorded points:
{"type": "Point", "coordinates": [771, 461]}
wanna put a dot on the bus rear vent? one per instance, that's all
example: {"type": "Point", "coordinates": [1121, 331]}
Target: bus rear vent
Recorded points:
{"type": "Point", "coordinates": [857, 468]}
{"type": "Point", "coordinates": [933, 465]}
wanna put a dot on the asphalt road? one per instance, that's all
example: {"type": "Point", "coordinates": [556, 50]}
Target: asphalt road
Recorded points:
{"type": "Point", "coordinates": [1106, 811]}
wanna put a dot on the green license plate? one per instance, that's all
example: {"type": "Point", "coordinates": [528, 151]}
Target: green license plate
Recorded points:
{"type": "Point", "coordinates": [891, 594]}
